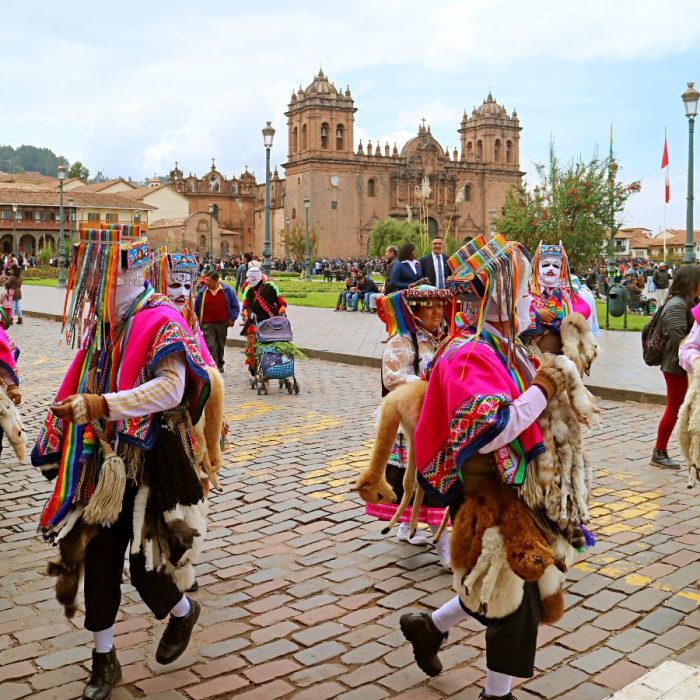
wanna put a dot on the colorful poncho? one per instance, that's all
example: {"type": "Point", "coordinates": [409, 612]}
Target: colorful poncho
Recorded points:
{"type": "Point", "coordinates": [151, 334]}
{"type": "Point", "coordinates": [561, 302]}
{"type": "Point", "coordinates": [466, 407]}
{"type": "Point", "coordinates": [9, 353]}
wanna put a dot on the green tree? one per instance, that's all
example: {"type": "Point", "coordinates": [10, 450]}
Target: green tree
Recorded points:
{"type": "Point", "coordinates": [78, 170]}
{"type": "Point", "coordinates": [394, 232]}
{"type": "Point", "coordinates": [577, 204]}
{"type": "Point", "coordinates": [296, 241]}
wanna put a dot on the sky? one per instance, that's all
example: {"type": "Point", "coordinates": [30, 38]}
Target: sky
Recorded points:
{"type": "Point", "coordinates": [131, 88]}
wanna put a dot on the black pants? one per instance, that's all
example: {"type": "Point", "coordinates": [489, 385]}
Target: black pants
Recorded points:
{"type": "Point", "coordinates": [511, 641]}
{"type": "Point", "coordinates": [215, 338]}
{"type": "Point", "coordinates": [104, 567]}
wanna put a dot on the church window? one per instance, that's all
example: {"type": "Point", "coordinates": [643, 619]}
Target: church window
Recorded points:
{"type": "Point", "coordinates": [509, 151]}
{"type": "Point", "coordinates": [294, 213]}
{"type": "Point", "coordinates": [497, 150]}
{"type": "Point", "coordinates": [334, 205]}
{"type": "Point", "coordinates": [470, 150]}
{"type": "Point", "coordinates": [371, 187]}
{"type": "Point", "coordinates": [234, 189]}
{"type": "Point", "coordinates": [479, 150]}
{"type": "Point", "coordinates": [304, 145]}
{"type": "Point", "coordinates": [295, 140]}
{"type": "Point", "coordinates": [339, 137]}
{"type": "Point", "coordinates": [324, 135]}
{"type": "Point", "coordinates": [467, 189]}
{"type": "Point", "coordinates": [202, 242]}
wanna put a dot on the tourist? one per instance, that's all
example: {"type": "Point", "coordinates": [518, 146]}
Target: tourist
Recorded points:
{"type": "Point", "coordinates": [407, 271]}
{"type": "Point", "coordinates": [242, 269]}
{"type": "Point", "coordinates": [14, 285]}
{"type": "Point", "coordinates": [434, 264]}
{"type": "Point", "coordinates": [662, 280]}
{"type": "Point", "coordinates": [675, 323]}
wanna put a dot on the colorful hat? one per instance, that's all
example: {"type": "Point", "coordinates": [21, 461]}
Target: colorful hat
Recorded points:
{"type": "Point", "coordinates": [395, 309]}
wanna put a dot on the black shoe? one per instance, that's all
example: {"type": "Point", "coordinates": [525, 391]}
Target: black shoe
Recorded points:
{"type": "Point", "coordinates": [426, 640]}
{"type": "Point", "coordinates": [221, 369]}
{"type": "Point", "coordinates": [483, 696]}
{"type": "Point", "coordinates": [660, 458]}
{"type": "Point", "coordinates": [194, 587]}
{"type": "Point", "coordinates": [177, 635]}
{"type": "Point", "coordinates": [106, 673]}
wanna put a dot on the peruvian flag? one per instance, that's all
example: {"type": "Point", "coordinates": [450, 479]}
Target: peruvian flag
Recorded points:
{"type": "Point", "coordinates": [664, 166]}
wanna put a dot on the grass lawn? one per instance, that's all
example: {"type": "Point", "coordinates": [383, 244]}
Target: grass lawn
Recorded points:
{"type": "Point", "coordinates": [634, 321]}
{"type": "Point", "coordinates": [40, 283]}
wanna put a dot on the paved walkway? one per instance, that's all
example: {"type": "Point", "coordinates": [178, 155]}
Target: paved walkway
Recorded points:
{"type": "Point", "coordinates": [301, 593]}
{"type": "Point", "coordinates": [619, 373]}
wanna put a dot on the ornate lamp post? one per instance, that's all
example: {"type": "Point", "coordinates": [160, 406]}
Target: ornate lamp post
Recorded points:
{"type": "Point", "coordinates": [286, 242]}
{"type": "Point", "coordinates": [212, 210]}
{"type": "Point", "coordinates": [690, 100]}
{"type": "Point", "coordinates": [14, 229]}
{"type": "Point", "coordinates": [307, 263]}
{"type": "Point", "coordinates": [61, 241]}
{"type": "Point", "coordinates": [268, 134]}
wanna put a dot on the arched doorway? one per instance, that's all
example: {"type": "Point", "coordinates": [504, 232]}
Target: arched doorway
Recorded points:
{"type": "Point", "coordinates": [433, 227]}
{"type": "Point", "coordinates": [27, 244]}
{"type": "Point", "coordinates": [6, 244]}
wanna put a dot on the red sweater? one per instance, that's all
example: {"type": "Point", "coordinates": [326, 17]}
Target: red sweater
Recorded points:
{"type": "Point", "coordinates": [215, 308]}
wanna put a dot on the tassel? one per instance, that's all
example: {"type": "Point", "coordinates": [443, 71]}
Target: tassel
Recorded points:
{"type": "Point", "coordinates": [589, 539]}
{"type": "Point", "coordinates": [106, 502]}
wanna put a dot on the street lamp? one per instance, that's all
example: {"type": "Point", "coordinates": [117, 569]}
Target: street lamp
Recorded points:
{"type": "Point", "coordinates": [307, 264]}
{"type": "Point", "coordinates": [690, 99]}
{"type": "Point", "coordinates": [268, 134]}
{"type": "Point", "coordinates": [212, 209]}
{"type": "Point", "coordinates": [61, 242]}
{"type": "Point", "coordinates": [14, 230]}
{"type": "Point", "coordinates": [71, 214]}
{"type": "Point", "coordinates": [286, 242]}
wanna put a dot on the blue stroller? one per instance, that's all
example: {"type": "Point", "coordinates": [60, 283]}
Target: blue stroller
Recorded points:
{"type": "Point", "coordinates": [270, 363]}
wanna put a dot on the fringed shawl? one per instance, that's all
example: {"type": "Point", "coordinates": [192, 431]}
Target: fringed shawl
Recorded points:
{"type": "Point", "coordinates": [9, 353]}
{"type": "Point", "coordinates": [466, 407]}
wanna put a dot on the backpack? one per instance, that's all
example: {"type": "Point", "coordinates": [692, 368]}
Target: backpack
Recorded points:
{"type": "Point", "coordinates": [653, 340]}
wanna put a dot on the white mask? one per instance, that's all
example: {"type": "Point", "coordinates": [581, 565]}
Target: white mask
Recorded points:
{"type": "Point", "coordinates": [549, 271]}
{"type": "Point", "coordinates": [179, 289]}
{"type": "Point", "coordinates": [125, 293]}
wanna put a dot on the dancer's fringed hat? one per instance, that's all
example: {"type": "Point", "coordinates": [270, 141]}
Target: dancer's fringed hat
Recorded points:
{"type": "Point", "coordinates": [395, 309]}
{"type": "Point", "coordinates": [168, 268]}
{"type": "Point", "coordinates": [553, 255]}
{"type": "Point", "coordinates": [98, 258]}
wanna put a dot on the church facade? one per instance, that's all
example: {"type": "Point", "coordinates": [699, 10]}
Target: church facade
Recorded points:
{"type": "Point", "coordinates": [349, 188]}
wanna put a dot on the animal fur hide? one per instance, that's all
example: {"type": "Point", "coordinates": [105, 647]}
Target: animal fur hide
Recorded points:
{"type": "Point", "coordinates": [11, 425]}
{"type": "Point", "coordinates": [208, 431]}
{"type": "Point", "coordinates": [689, 426]}
{"type": "Point", "coordinates": [578, 343]}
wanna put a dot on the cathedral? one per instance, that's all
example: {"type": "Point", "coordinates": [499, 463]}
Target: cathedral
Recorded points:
{"type": "Point", "coordinates": [349, 188]}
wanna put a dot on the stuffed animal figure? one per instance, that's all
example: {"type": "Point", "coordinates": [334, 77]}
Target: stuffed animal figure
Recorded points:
{"type": "Point", "coordinates": [11, 425]}
{"type": "Point", "coordinates": [689, 426]}
{"type": "Point", "coordinates": [208, 433]}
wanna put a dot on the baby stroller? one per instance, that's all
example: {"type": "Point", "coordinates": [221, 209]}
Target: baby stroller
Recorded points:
{"type": "Point", "coordinates": [272, 364]}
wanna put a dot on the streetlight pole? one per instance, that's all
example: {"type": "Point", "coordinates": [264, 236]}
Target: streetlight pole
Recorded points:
{"type": "Point", "coordinates": [14, 229]}
{"type": "Point", "coordinates": [690, 99]}
{"type": "Point", "coordinates": [268, 134]}
{"type": "Point", "coordinates": [286, 242]}
{"type": "Point", "coordinates": [61, 242]}
{"type": "Point", "coordinates": [212, 209]}
{"type": "Point", "coordinates": [71, 214]}
{"type": "Point", "coordinates": [307, 264]}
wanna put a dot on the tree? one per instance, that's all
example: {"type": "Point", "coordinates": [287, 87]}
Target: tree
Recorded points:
{"type": "Point", "coordinates": [577, 204]}
{"type": "Point", "coordinates": [296, 241]}
{"type": "Point", "coordinates": [78, 170]}
{"type": "Point", "coordinates": [30, 159]}
{"type": "Point", "coordinates": [394, 232]}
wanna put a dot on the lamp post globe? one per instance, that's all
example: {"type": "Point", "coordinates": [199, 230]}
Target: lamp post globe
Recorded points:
{"type": "Point", "coordinates": [690, 101]}
{"type": "Point", "coordinates": [268, 135]}
{"type": "Point", "coordinates": [61, 230]}
{"type": "Point", "coordinates": [307, 262]}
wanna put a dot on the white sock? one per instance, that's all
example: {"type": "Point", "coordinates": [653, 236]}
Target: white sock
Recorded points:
{"type": "Point", "coordinates": [104, 640]}
{"type": "Point", "coordinates": [497, 684]}
{"type": "Point", "coordinates": [182, 608]}
{"type": "Point", "coordinates": [449, 615]}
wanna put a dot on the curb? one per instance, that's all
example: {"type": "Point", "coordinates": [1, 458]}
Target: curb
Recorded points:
{"type": "Point", "coordinates": [602, 392]}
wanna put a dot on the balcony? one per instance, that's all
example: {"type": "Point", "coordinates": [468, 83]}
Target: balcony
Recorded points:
{"type": "Point", "coordinates": [25, 225]}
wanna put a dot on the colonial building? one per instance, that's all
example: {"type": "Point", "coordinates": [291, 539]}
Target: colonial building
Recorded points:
{"type": "Point", "coordinates": [351, 187]}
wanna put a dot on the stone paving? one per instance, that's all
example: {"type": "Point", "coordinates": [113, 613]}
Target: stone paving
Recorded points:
{"type": "Point", "coordinates": [301, 593]}
{"type": "Point", "coordinates": [351, 336]}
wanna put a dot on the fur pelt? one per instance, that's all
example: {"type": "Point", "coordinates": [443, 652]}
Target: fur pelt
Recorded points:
{"type": "Point", "coordinates": [551, 582]}
{"type": "Point", "coordinates": [491, 588]}
{"type": "Point", "coordinates": [560, 479]}
{"type": "Point", "coordinates": [11, 425]}
{"type": "Point", "coordinates": [401, 407]}
{"type": "Point", "coordinates": [578, 343]}
{"type": "Point", "coordinates": [68, 568]}
{"type": "Point", "coordinates": [689, 426]}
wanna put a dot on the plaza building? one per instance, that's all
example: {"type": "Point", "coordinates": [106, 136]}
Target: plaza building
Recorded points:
{"type": "Point", "coordinates": [351, 187]}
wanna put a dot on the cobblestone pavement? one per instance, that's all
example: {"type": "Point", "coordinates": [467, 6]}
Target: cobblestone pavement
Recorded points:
{"type": "Point", "coordinates": [301, 593]}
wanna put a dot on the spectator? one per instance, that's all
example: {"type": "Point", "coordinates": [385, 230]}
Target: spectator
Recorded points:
{"type": "Point", "coordinates": [407, 272]}
{"type": "Point", "coordinates": [341, 304]}
{"type": "Point", "coordinates": [217, 308]}
{"type": "Point", "coordinates": [434, 265]}
{"type": "Point", "coordinates": [675, 323]}
{"type": "Point", "coordinates": [364, 286]}
{"type": "Point", "coordinates": [662, 281]}
{"type": "Point", "coordinates": [14, 284]}
{"type": "Point", "coordinates": [241, 271]}
{"type": "Point", "coordinates": [634, 293]}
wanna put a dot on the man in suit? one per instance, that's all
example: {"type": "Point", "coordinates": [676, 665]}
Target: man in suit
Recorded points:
{"type": "Point", "coordinates": [434, 265]}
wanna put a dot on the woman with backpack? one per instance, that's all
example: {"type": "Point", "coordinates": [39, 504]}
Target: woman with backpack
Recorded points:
{"type": "Point", "coordinates": [675, 322]}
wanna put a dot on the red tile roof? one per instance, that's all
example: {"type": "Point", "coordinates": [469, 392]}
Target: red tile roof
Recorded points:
{"type": "Point", "coordinates": [82, 200]}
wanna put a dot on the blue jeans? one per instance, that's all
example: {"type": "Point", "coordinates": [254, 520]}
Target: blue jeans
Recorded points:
{"type": "Point", "coordinates": [352, 299]}
{"type": "Point", "coordinates": [16, 308]}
